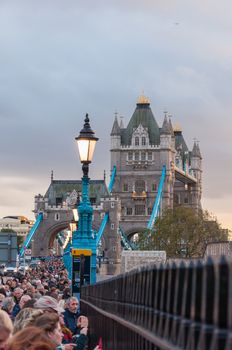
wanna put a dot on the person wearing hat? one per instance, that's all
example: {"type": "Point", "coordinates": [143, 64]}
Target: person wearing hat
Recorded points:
{"type": "Point", "coordinates": [49, 304]}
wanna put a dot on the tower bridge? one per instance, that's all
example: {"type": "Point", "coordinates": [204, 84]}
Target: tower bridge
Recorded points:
{"type": "Point", "coordinates": [139, 154]}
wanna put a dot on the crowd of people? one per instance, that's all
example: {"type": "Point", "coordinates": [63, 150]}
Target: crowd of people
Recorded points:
{"type": "Point", "coordinates": [38, 312]}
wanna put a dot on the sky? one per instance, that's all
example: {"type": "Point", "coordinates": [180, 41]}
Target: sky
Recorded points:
{"type": "Point", "coordinates": [62, 58]}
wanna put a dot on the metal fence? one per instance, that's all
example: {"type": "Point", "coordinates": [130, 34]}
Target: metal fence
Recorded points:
{"type": "Point", "coordinates": [166, 307]}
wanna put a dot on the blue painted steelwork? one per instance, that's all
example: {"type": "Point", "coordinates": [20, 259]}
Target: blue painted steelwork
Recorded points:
{"type": "Point", "coordinates": [67, 259]}
{"type": "Point", "coordinates": [31, 234]}
{"type": "Point", "coordinates": [125, 241]}
{"type": "Point", "coordinates": [112, 179]}
{"type": "Point", "coordinates": [102, 228]}
{"type": "Point", "coordinates": [156, 206]}
{"type": "Point", "coordinates": [83, 237]}
{"type": "Point", "coordinates": [106, 217]}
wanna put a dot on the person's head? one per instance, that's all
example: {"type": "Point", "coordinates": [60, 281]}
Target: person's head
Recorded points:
{"type": "Point", "coordinates": [29, 303]}
{"type": "Point", "coordinates": [72, 304]}
{"type": "Point", "coordinates": [8, 304]}
{"type": "Point", "coordinates": [7, 288]}
{"type": "Point", "coordinates": [48, 303]}
{"type": "Point", "coordinates": [3, 290]}
{"type": "Point", "coordinates": [14, 283]}
{"type": "Point", "coordinates": [18, 292]}
{"type": "Point", "coordinates": [26, 317]}
{"type": "Point", "coordinates": [30, 338]}
{"type": "Point", "coordinates": [23, 300]}
{"type": "Point", "coordinates": [6, 328]}
{"type": "Point", "coordinates": [49, 322]}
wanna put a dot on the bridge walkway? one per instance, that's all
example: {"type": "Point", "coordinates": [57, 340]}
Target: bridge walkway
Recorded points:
{"type": "Point", "coordinates": [188, 306]}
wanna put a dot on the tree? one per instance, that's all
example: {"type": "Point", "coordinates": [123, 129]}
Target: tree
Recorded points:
{"type": "Point", "coordinates": [182, 232]}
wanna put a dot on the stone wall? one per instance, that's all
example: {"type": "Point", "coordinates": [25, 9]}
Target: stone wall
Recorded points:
{"type": "Point", "coordinates": [216, 249]}
{"type": "Point", "coordinates": [134, 259]}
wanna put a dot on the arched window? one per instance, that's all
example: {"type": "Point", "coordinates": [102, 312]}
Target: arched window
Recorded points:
{"type": "Point", "coordinates": [136, 141]}
{"type": "Point", "coordinates": [139, 186]}
{"type": "Point", "coordinates": [57, 216]}
{"type": "Point", "coordinates": [143, 141]}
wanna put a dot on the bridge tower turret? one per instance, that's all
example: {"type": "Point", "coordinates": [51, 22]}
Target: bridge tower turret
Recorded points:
{"type": "Point", "coordinates": [196, 169]}
{"type": "Point", "coordinates": [115, 143]}
{"type": "Point", "coordinates": [167, 156]}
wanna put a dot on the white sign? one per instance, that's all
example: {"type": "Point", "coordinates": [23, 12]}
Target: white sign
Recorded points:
{"type": "Point", "coordinates": [28, 252]}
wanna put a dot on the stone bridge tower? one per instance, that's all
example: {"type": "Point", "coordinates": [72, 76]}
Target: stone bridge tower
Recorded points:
{"type": "Point", "coordinates": [139, 152]}
{"type": "Point", "coordinates": [56, 206]}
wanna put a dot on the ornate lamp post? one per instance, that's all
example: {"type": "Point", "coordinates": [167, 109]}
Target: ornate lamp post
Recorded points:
{"type": "Point", "coordinates": [83, 239]}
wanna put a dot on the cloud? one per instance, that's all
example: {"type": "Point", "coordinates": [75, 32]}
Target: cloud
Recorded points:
{"type": "Point", "coordinates": [60, 60]}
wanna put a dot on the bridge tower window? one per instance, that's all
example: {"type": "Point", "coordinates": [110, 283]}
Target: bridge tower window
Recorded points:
{"type": "Point", "coordinates": [140, 210]}
{"type": "Point", "coordinates": [143, 156]}
{"type": "Point", "coordinates": [125, 187]}
{"type": "Point", "coordinates": [154, 187]}
{"type": "Point", "coordinates": [149, 155]}
{"type": "Point", "coordinates": [57, 216]}
{"type": "Point", "coordinates": [130, 155]}
{"type": "Point", "coordinates": [128, 211]}
{"type": "Point", "coordinates": [136, 141]}
{"type": "Point", "coordinates": [139, 186]}
{"type": "Point", "coordinates": [149, 211]}
{"type": "Point", "coordinates": [143, 141]}
{"type": "Point", "coordinates": [137, 156]}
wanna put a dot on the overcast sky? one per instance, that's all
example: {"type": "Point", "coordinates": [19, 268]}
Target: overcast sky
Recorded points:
{"type": "Point", "coordinates": [61, 59]}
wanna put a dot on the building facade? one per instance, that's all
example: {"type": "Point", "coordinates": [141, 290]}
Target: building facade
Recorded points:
{"type": "Point", "coordinates": [139, 152]}
{"type": "Point", "coordinates": [19, 224]}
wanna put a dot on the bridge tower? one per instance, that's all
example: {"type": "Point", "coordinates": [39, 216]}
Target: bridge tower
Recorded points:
{"type": "Point", "coordinates": [139, 151]}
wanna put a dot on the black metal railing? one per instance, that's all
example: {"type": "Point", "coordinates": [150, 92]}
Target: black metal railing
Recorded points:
{"type": "Point", "coordinates": [166, 307]}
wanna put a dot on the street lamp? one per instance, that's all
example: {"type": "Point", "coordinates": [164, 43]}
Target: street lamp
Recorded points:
{"type": "Point", "coordinates": [83, 239]}
{"type": "Point", "coordinates": [86, 142]}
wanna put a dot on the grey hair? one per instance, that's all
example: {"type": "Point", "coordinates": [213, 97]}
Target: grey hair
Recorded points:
{"type": "Point", "coordinates": [70, 299]}
{"type": "Point", "coordinates": [7, 303]}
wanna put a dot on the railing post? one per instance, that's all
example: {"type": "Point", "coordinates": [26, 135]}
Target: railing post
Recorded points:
{"type": "Point", "coordinates": [221, 311]}
{"type": "Point", "coordinates": [208, 304]}
{"type": "Point", "coordinates": [196, 306]}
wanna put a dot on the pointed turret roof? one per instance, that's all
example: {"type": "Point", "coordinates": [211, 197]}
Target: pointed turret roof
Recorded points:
{"type": "Point", "coordinates": [170, 127]}
{"type": "Point", "coordinates": [142, 115]}
{"type": "Point", "coordinates": [180, 143]}
{"type": "Point", "coordinates": [196, 150]}
{"type": "Point", "coordinates": [115, 129]}
{"type": "Point", "coordinates": [165, 130]}
{"type": "Point", "coordinates": [121, 123]}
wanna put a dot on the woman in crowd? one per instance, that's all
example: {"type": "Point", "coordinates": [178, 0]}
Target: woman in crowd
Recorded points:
{"type": "Point", "coordinates": [6, 328]}
{"type": "Point", "coordinates": [50, 323]}
{"type": "Point", "coordinates": [26, 317]}
{"type": "Point", "coordinates": [30, 338]}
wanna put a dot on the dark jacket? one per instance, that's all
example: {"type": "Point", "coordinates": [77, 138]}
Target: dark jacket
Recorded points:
{"type": "Point", "coordinates": [70, 320]}
{"type": "Point", "coordinates": [15, 310]}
